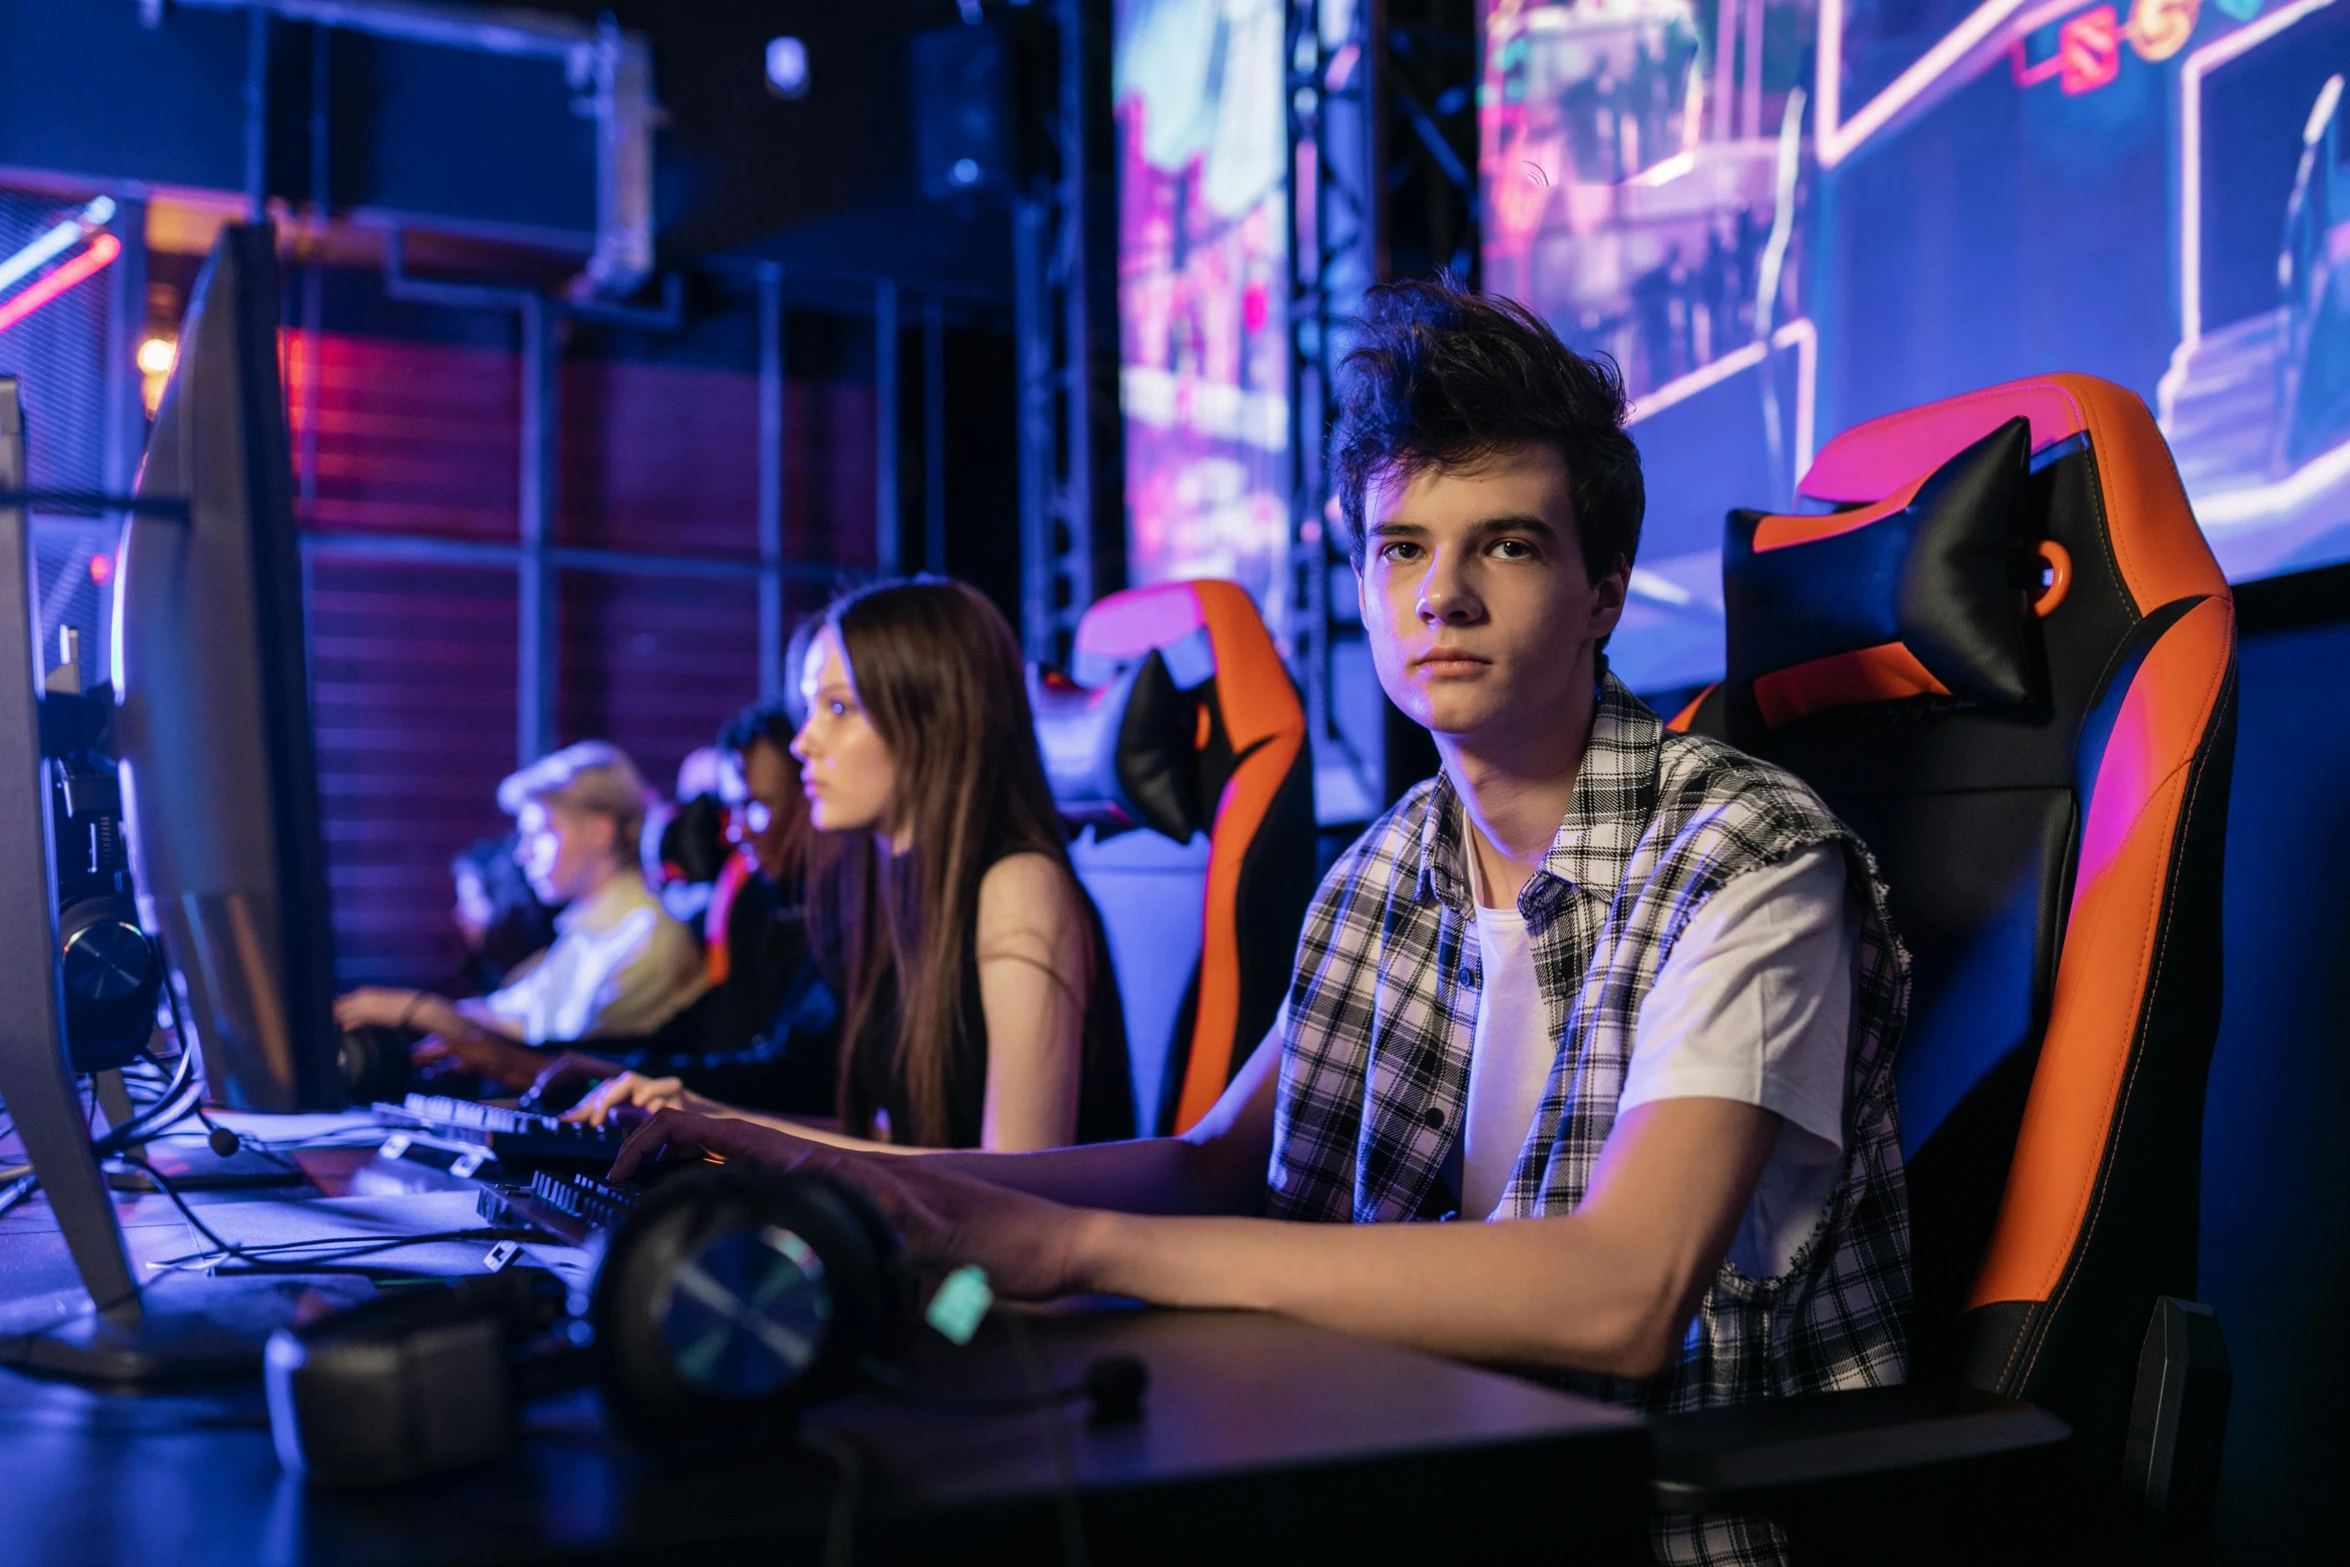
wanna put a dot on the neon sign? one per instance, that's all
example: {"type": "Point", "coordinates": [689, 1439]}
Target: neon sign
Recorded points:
{"type": "Point", "coordinates": [2088, 46]}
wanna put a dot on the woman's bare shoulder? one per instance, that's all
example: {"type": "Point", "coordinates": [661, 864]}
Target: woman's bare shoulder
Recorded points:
{"type": "Point", "coordinates": [1028, 892]}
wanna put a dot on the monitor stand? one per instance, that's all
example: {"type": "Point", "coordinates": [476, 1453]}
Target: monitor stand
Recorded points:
{"type": "Point", "coordinates": [183, 1327]}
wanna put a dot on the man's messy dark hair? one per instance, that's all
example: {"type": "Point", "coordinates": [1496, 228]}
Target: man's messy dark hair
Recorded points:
{"type": "Point", "coordinates": [1440, 377]}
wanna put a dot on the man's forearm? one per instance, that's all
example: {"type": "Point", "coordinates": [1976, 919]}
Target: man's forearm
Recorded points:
{"type": "Point", "coordinates": [1608, 1288]}
{"type": "Point", "coordinates": [1558, 1292]}
{"type": "Point", "coordinates": [1216, 1167]}
{"type": "Point", "coordinates": [1155, 1175]}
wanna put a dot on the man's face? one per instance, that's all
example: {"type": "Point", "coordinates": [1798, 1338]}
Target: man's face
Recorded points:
{"type": "Point", "coordinates": [1481, 615]}
{"type": "Point", "coordinates": [561, 851]}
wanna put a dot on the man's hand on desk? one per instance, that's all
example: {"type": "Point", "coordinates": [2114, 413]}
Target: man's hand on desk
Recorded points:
{"type": "Point", "coordinates": [572, 1074]}
{"type": "Point", "coordinates": [483, 1053]}
{"type": "Point", "coordinates": [379, 1006]}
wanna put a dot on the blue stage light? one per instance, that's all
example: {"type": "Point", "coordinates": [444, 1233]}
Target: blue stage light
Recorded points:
{"type": "Point", "coordinates": [787, 67]}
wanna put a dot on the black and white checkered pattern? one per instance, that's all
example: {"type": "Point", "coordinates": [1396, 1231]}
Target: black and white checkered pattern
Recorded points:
{"type": "Point", "coordinates": [1383, 1006]}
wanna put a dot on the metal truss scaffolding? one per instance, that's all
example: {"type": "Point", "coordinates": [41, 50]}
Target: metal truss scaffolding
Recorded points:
{"type": "Point", "coordinates": [1381, 114]}
{"type": "Point", "coordinates": [1072, 512]}
{"type": "Point", "coordinates": [1332, 52]}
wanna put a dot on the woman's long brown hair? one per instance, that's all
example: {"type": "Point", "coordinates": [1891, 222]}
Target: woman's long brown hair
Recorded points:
{"type": "Point", "coordinates": [939, 674]}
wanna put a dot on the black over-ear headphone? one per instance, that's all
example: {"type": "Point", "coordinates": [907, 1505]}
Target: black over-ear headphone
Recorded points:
{"type": "Point", "coordinates": [724, 1302]}
{"type": "Point", "coordinates": [727, 1301]}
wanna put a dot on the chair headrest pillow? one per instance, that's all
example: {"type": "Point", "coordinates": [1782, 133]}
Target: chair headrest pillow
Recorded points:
{"type": "Point", "coordinates": [1927, 593]}
{"type": "Point", "coordinates": [1122, 754]}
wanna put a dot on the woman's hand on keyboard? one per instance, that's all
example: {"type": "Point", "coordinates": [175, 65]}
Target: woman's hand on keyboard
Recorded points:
{"type": "Point", "coordinates": [629, 1091]}
{"type": "Point", "coordinates": [680, 1134]}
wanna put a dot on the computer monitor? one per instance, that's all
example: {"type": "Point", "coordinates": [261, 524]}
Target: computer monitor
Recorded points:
{"type": "Point", "coordinates": [220, 786]}
{"type": "Point", "coordinates": [221, 805]}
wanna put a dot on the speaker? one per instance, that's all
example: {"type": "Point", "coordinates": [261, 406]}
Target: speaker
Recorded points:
{"type": "Point", "coordinates": [967, 121]}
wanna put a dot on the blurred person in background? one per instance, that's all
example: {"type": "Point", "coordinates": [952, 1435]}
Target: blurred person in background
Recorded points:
{"type": "Point", "coordinates": [501, 921]}
{"type": "Point", "coordinates": [765, 1035]}
{"type": "Point", "coordinates": [619, 964]}
{"type": "Point", "coordinates": [681, 845]}
{"type": "Point", "coordinates": [981, 1007]}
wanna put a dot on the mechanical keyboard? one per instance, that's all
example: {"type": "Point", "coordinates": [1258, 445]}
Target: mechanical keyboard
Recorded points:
{"type": "Point", "coordinates": [569, 1207]}
{"type": "Point", "coordinates": [523, 1143]}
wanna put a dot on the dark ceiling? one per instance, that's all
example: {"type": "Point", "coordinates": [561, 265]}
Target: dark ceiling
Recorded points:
{"type": "Point", "coordinates": [824, 182]}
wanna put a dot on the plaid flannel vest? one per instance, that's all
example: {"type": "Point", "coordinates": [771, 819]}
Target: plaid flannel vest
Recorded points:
{"type": "Point", "coordinates": [1383, 1006]}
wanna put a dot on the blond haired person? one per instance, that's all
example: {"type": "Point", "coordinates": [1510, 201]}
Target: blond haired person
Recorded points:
{"type": "Point", "coordinates": [619, 963]}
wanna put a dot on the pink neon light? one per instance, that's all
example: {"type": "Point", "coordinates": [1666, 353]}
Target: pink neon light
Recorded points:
{"type": "Point", "coordinates": [2031, 75]}
{"type": "Point", "coordinates": [2091, 48]}
{"type": "Point", "coordinates": [1871, 461]}
{"type": "Point", "coordinates": [89, 263]}
{"type": "Point", "coordinates": [2125, 779]}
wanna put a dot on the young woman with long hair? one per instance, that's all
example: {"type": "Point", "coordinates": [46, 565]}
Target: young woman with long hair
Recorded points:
{"type": "Point", "coordinates": [980, 1007]}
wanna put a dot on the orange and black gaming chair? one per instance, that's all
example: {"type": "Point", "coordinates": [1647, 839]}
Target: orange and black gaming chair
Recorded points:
{"type": "Point", "coordinates": [2001, 650]}
{"type": "Point", "coordinates": [1178, 715]}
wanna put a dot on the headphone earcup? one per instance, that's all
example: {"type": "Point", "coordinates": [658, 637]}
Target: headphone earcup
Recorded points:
{"type": "Point", "coordinates": [113, 977]}
{"type": "Point", "coordinates": [728, 1299]}
{"type": "Point", "coordinates": [881, 1314]}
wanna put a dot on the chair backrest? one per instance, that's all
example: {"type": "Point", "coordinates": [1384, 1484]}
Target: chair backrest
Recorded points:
{"type": "Point", "coordinates": [1197, 732]}
{"type": "Point", "coordinates": [2001, 650]}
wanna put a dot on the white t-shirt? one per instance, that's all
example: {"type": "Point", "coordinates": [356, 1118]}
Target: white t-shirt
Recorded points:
{"type": "Point", "coordinates": [1753, 1004]}
{"type": "Point", "coordinates": [619, 965]}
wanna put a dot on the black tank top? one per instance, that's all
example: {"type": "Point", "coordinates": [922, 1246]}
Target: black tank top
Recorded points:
{"type": "Point", "coordinates": [1105, 1096]}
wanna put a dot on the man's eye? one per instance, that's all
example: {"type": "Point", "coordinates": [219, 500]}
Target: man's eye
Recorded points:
{"type": "Point", "coordinates": [838, 708]}
{"type": "Point", "coordinates": [1397, 549]}
{"type": "Point", "coordinates": [1513, 549]}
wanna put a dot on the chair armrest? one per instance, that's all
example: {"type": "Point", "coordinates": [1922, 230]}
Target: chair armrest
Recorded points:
{"type": "Point", "coordinates": [1793, 1454]}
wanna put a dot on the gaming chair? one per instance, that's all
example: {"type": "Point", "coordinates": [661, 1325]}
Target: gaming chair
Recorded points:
{"type": "Point", "coordinates": [1177, 715]}
{"type": "Point", "coordinates": [2000, 649]}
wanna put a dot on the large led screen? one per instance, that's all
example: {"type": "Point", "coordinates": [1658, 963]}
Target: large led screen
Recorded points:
{"type": "Point", "coordinates": [1784, 219]}
{"type": "Point", "coordinates": [1202, 275]}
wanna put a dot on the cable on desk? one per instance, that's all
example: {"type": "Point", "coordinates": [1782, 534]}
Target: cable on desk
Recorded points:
{"type": "Point", "coordinates": [288, 1256]}
{"type": "Point", "coordinates": [181, 1203]}
{"type": "Point", "coordinates": [147, 1124]}
{"type": "Point", "coordinates": [18, 1188]}
{"type": "Point", "coordinates": [168, 1110]}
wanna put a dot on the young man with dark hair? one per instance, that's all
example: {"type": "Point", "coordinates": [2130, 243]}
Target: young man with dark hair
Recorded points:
{"type": "Point", "coordinates": [1633, 991]}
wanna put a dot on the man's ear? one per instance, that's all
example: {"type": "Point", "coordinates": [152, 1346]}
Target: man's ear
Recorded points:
{"type": "Point", "coordinates": [1607, 597]}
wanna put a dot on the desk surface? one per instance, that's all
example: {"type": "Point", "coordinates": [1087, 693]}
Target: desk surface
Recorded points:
{"type": "Point", "coordinates": [1261, 1439]}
